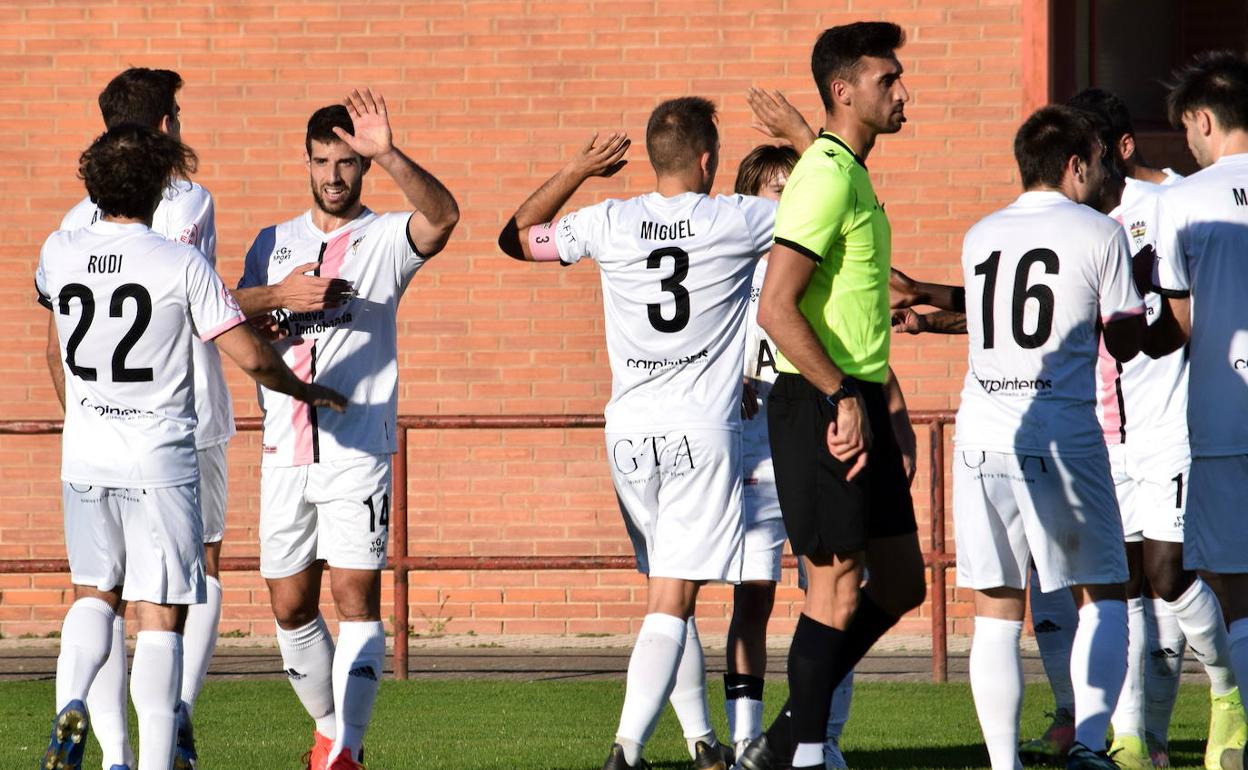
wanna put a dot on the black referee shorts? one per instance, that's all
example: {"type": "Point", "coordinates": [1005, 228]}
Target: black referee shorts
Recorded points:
{"type": "Point", "coordinates": [823, 513]}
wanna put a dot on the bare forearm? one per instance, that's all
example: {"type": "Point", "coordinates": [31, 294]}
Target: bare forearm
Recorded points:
{"type": "Point", "coordinates": [794, 336]}
{"type": "Point", "coordinates": [58, 376]}
{"type": "Point", "coordinates": [542, 206]}
{"type": "Point", "coordinates": [258, 300]}
{"type": "Point", "coordinates": [422, 189]}
{"type": "Point", "coordinates": [946, 322]}
{"type": "Point", "coordinates": [943, 296]}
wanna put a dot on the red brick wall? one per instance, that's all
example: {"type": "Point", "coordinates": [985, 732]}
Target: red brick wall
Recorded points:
{"type": "Point", "coordinates": [491, 95]}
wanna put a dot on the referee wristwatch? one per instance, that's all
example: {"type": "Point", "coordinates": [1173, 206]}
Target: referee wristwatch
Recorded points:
{"type": "Point", "coordinates": [848, 389]}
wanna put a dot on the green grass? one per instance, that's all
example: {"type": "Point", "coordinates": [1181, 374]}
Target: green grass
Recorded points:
{"type": "Point", "coordinates": [492, 725]}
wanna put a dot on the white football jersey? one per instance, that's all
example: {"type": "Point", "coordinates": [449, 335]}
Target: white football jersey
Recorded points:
{"type": "Point", "coordinates": [352, 348]}
{"type": "Point", "coordinates": [760, 368]}
{"type": "Point", "coordinates": [1202, 241]}
{"type": "Point", "coordinates": [1039, 275]}
{"type": "Point", "coordinates": [185, 214]}
{"type": "Point", "coordinates": [1143, 403]}
{"type": "Point", "coordinates": [675, 290]}
{"type": "Point", "coordinates": [126, 302]}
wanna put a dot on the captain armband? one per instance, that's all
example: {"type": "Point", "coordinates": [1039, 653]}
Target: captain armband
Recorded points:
{"type": "Point", "coordinates": [542, 243]}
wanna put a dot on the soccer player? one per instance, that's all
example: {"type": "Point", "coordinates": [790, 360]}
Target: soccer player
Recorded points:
{"type": "Point", "coordinates": [676, 266]}
{"type": "Point", "coordinates": [1031, 472]}
{"type": "Point", "coordinates": [1202, 236]}
{"type": "Point", "coordinates": [185, 213]}
{"type": "Point", "coordinates": [133, 527]}
{"type": "Point", "coordinates": [325, 480]}
{"type": "Point", "coordinates": [840, 473]}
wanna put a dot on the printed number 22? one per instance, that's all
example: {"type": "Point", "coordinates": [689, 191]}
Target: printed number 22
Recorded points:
{"type": "Point", "coordinates": [671, 284]}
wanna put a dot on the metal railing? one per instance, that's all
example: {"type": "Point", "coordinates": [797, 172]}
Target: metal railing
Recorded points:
{"type": "Point", "coordinates": [401, 562]}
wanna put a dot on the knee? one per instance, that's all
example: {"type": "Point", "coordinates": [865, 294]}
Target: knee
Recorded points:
{"type": "Point", "coordinates": [1170, 582]}
{"type": "Point", "coordinates": [295, 616]}
{"type": "Point", "coordinates": [908, 596]}
{"type": "Point", "coordinates": [752, 604]}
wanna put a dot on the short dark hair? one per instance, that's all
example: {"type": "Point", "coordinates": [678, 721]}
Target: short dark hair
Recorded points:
{"type": "Point", "coordinates": [140, 95]}
{"type": "Point", "coordinates": [679, 131]}
{"type": "Point", "coordinates": [1216, 81]}
{"type": "Point", "coordinates": [323, 122]}
{"type": "Point", "coordinates": [839, 50]}
{"type": "Point", "coordinates": [128, 166]}
{"type": "Point", "coordinates": [1108, 107]}
{"type": "Point", "coordinates": [762, 163]}
{"type": "Point", "coordinates": [1048, 139]}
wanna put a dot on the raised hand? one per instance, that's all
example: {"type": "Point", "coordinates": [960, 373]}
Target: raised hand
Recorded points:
{"type": "Point", "coordinates": [775, 117]}
{"type": "Point", "coordinates": [371, 123]}
{"type": "Point", "coordinates": [602, 158]}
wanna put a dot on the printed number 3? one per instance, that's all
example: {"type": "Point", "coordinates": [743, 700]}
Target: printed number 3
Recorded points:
{"type": "Point", "coordinates": [672, 284]}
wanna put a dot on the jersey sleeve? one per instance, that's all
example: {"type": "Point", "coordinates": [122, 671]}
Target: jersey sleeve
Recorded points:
{"type": "Point", "coordinates": [1170, 276]}
{"type": "Point", "coordinates": [579, 233]}
{"type": "Point", "coordinates": [256, 263]}
{"type": "Point", "coordinates": [760, 221]}
{"type": "Point", "coordinates": [1118, 296]}
{"type": "Point", "coordinates": [815, 210]}
{"type": "Point", "coordinates": [407, 260]}
{"type": "Point", "coordinates": [213, 309]}
{"type": "Point", "coordinates": [192, 220]}
{"type": "Point", "coordinates": [42, 294]}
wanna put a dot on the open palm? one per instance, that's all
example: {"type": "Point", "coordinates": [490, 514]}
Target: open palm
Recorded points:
{"type": "Point", "coordinates": [371, 122]}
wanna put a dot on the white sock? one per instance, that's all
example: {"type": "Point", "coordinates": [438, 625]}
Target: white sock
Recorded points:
{"type": "Point", "coordinates": [1200, 619]}
{"type": "Point", "coordinates": [808, 755]}
{"type": "Point", "coordinates": [651, 677]}
{"type": "Point", "coordinates": [839, 715]}
{"type": "Point", "coordinates": [1239, 649]}
{"type": "Point", "coordinates": [996, 669]}
{"type": "Point", "coordinates": [745, 719]}
{"type": "Point", "coordinates": [308, 657]}
{"type": "Point", "coordinates": [1128, 716]}
{"type": "Point", "coordinates": [107, 702]}
{"type": "Point", "coordinates": [86, 640]}
{"type": "Point", "coordinates": [1098, 666]}
{"type": "Point", "coordinates": [154, 687]}
{"type": "Point", "coordinates": [358, 666]}
{"type": "Point", "coordinates": [1054, 618]}
{"type": "Point", "coordinates": [199, 641]}
{"type": "Point", "coordinates": [688, 696]}
{"type": "Point", "coordinates": [1163, 667]}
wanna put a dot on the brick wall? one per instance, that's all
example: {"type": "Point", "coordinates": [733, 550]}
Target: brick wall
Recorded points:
{"type": "Point", "coordinates": [491, 95]}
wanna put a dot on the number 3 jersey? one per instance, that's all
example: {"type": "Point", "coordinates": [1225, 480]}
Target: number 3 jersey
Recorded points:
{"type": "Point", "coordinates": [352, 348]}
{"type": "Point", "coordinates": [1039, 275]}
{"type": "Point", "coordinates": [675, 290]}
{"type": "Point", "coordinates": [126, 302]}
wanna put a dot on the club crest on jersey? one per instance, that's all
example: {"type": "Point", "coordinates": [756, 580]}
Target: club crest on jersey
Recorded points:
{"type": "Point", "coordinates": [1138, 229]}
{"type": "Point", "coordinates": [190, 234]}
{"type": "Point", "coordinates": [355, 245]}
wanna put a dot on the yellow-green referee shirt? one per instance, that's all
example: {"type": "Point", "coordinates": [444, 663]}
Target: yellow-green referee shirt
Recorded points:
{"type": "Point", "coordinates": [829, 212]}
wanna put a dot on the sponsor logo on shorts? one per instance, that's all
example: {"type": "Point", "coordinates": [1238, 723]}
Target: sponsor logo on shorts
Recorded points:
{"type": "Point", "coordinates": [117, 412]}
{"type": "Point", "coordinates": [378, 546]}
{"type": "Point", "coordinates": [669, 458]}
{"type": "Point", "coordinates": [657, 364]}
{"type": "Point", "coordinates": [1037, 386]}
{"type": "Point", "coordinates": [364, 672]}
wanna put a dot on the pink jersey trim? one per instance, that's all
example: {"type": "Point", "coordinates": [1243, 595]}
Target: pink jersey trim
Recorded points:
{"type": "Point", "coordinates": [301, 411]}
{"type": "Point", "coordinates": [212, 334]}
{"type": "Point", "coordinates": [335, 254]}
{"type": "Point", "coordinates": [1108, 396]}
{"type": "Point", "coordinates": [542, 243]}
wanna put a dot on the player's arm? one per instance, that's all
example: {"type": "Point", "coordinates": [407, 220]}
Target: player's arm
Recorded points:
{"type": "Point", "coordinates": [298, 292]}
{"type": "Point", "coordinates": [1171, 329]}
{"type": "Point", "coordinates": [904, 291]}
{"type": "Point", "coordinates": [530, 234]}
{"type": "Point", "coordinates": [53, 355]}
{"type": "Point", "coordinates": [1164, 270]}
{"type": "Point", "coordinates": [788, 274]}
{"type": "Point", "coordinates": [903, 431]}
{"type": "Point", "coordinates": [261, 362]}
{"type": "Point", "coordinates": [436, 212]}
{"type": "Point", "coordinates": [1123, 337]}
{"type": "Point", "coordinates": [937, 322]}
{"type": "Point", "coordinates": [775, 117]}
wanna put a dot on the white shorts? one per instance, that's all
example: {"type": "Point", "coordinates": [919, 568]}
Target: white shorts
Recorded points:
{"type": "Point", "coordinates": [333, 511]}
{"type": "Point", "coordinates": [1152, 490]}
{"type": "Point", "coordinates": [680, 494]}
{"type": "Point", "coordinates": [1061, 513]}
{"type": "Point", "coordinates": [213, 485]}
{"type": "Point", "coordinates": [149, 541]}
{"type": "Point", "coordinates": [1214, 536]}
{"type": "Point", "coordinates": [764, 533]}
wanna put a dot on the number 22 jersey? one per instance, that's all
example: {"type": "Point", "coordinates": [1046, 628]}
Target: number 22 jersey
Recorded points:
{"type": "Point", "coordinates": [675, 290]}
{"type": "Point", "coordinates": [1039, 275]}
{"type": "Point", "coordinates": [126, 302]}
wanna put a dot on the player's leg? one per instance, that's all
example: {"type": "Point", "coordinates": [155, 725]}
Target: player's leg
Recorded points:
{"type": "Point", "coordinates": [996, 672]}
{"type": "Point", "coordinates": [1192, 602]}
{"type": "Point", "coordinates": [1129, 748]}
{"type": "Point", "coordinates": [1162, 673]}
{"type": "Point", "coordinates": [108, 701]}
{"type": "Point", "coordinates": [1054, 617]}
{"type": "Point", "coordinates": [353, 504]}
{"type": "Point", "coordinates": [688, 699]}
{"type": "Point", "coordinates": [95, 544]}
{"type": "Point", "coordinates": [164, 575]}
{"type": "Point", "coordinates": [292, 571]}
{"type": "Point", "coordinates": [838, 716]}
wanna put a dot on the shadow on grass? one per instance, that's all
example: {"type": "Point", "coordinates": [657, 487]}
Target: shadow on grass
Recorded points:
{"type": "Point", "coordinates": [947, 757]}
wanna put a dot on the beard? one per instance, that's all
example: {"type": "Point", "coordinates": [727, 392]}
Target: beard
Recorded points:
{"type": "Point", "coordinates": [346, 204]}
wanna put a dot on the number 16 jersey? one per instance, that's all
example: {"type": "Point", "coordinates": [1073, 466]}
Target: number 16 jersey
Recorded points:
{"type": "Point", "coordinates": [1039, 275]}
{"type": "Point", "coordinates": [675, 290]}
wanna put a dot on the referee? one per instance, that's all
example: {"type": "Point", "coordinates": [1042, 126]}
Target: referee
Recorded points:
{"type": "Point", "coordinates": [843, 489]}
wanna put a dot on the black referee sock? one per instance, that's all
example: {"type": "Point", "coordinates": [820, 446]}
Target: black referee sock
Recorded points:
{"type": "Point", "coordinates": [869, 623]}
{"type": "Point", "coordinates": [812, 656]}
